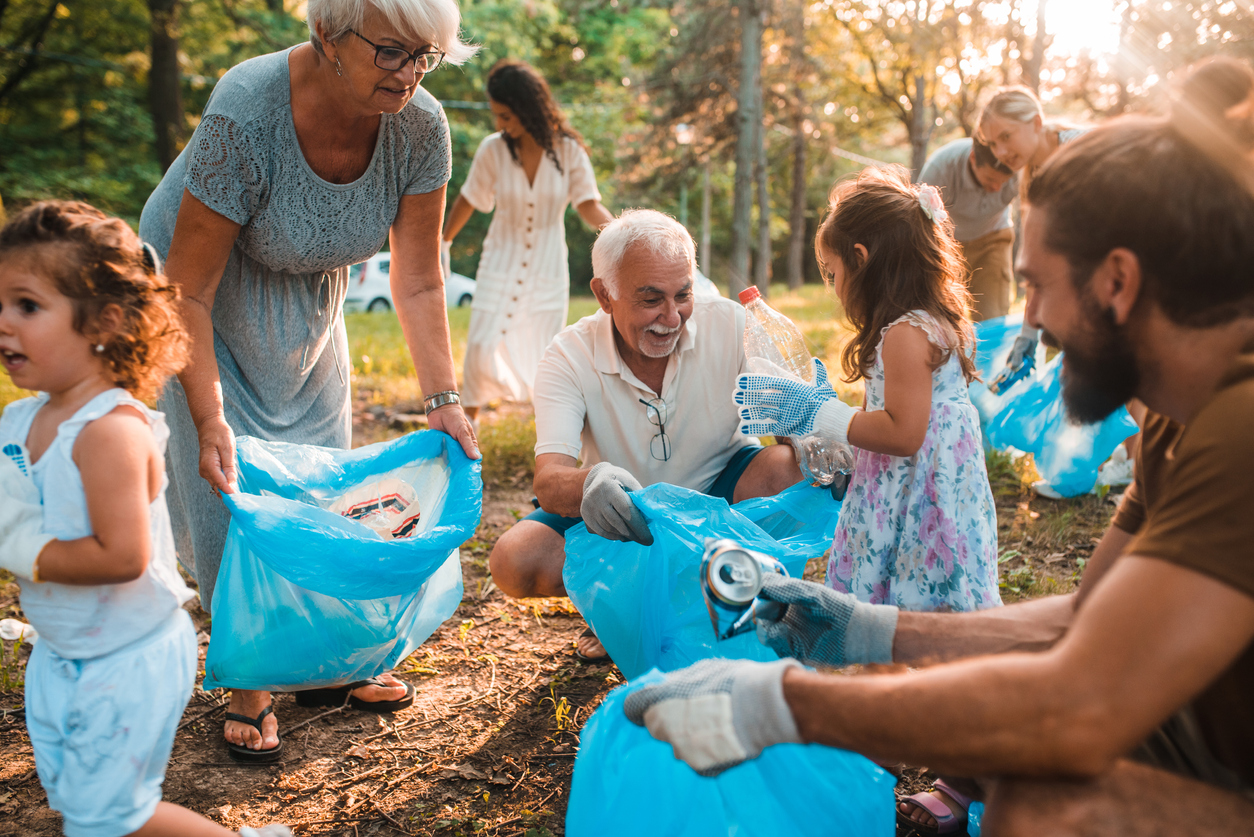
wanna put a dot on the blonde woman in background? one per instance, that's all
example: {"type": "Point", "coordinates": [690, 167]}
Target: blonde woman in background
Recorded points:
{"type": "Point", "coordinates": [529, 171]}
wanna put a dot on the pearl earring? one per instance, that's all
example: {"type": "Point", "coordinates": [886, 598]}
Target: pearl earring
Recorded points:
{"type": "Point", "coordinates": [100, 348]}
{"type": "Point", "coordinates": [339, 70]}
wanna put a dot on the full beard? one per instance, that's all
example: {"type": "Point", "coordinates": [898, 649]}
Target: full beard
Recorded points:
{"type": "Point", "coordinates": [1101, 374]}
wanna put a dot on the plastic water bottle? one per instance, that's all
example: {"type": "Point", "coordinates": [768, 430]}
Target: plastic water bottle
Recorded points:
{"type": "Point", "coordinates": [775, 346]}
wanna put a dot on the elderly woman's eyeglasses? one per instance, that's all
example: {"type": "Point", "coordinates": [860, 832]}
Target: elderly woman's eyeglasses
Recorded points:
{"type": "Point", "coordinates": [660, 444]}
{"type": "Point", "coordinates": [393, 58]}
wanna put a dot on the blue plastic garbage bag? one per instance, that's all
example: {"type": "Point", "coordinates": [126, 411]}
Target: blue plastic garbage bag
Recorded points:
{"type": "Point", "coordinates": [628, 783]}
{"type": "Point", "coordinates": [306, 597]}
{"type": "Point", "coordinates": [645, 602]}
{"type": "Point", "coordinates": [1030, 416]}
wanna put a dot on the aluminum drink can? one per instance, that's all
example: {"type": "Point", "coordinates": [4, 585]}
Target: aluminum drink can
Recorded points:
{"type": "Point", "coordinates": [731, 579]}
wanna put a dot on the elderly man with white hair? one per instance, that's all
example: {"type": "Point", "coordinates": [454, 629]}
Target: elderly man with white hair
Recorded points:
{"type": "Point", "coordinates": [636, 394]}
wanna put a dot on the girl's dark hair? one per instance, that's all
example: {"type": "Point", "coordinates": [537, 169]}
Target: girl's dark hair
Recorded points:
{"type": "Point", "coordinates": [912, 263]}
{"type": "Point", "coordinates": [518, 86]}
{"type": "Point", "coordinates": [98, 261]}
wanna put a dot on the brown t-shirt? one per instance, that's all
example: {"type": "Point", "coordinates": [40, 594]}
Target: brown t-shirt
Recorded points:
{"type": "Point", "coordinates": [1193, 505]}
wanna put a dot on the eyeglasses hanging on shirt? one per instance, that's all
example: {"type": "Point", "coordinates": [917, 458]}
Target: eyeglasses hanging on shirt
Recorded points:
{"type": "Point", "coordinates": [660, 444]}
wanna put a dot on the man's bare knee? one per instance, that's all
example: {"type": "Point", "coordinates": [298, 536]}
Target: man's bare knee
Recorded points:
{"type": "Point", "coordinates": [527, 561]}
{"type": "Point", "coordinates": [769, 473]}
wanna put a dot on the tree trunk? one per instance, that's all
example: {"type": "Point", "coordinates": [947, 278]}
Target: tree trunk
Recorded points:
{"type": "Point", "coordinates": [747, 119]}
{"type": "Point", "coordinates": [762, 268]}
{"type": "Point", "coordinates": [275, 6]}
{"type": "Point", "coordinates": [797, 214]}
{"type": "Point", "coordinates": [165, 91]}
{"type": "Point", "coordinates": [920, 127]}
{"type": "Point", "coordinates": [705, 219]}
{"type": "Point", "coordinates": [1032, 69]}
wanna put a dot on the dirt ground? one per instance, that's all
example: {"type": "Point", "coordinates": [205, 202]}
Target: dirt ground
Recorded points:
{"type": "Point", "coordinates": [488, 747]}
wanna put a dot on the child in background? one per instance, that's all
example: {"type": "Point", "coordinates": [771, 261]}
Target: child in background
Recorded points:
{"type": "Point", "coordinates": [918, 528]}
{"type": "Point", "coordinates": [87, 319]}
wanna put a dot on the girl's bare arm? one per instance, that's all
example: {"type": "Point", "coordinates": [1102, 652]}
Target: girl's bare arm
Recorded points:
{"type": "Point", "coordinates": [898, 429]}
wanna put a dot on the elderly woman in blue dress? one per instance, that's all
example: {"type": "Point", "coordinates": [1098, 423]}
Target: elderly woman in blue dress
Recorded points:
{"type": "Point", "coordinates": [306, 161]}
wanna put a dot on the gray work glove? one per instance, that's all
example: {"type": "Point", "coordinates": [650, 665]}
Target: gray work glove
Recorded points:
{"type": "Point", "coordinates": [822, 627]}
{"type": "Point", "coordinates": [718, 713]}
{"type": "Point", "coordinates": [607, 509]}
{"type": "Point", "coordinates": [21, 522]}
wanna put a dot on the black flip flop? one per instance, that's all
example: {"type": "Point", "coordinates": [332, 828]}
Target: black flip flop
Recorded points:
{"type": "Point", "coordinates": [337, 695]}
{"type": "Point", "coordinates": [583, 658]}
{"type": "Point", "coordinates": [241, 752]}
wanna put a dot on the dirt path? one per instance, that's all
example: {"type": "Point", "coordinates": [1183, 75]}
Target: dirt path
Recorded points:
{"type": "Point", "coordinates": [489, 745]}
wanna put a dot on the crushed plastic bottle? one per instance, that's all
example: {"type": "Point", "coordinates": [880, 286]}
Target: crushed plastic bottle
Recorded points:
{"type": "Point", "coordinates": [775, 346]}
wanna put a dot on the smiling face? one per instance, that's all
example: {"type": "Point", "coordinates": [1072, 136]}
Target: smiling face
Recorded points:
{"type": "Point", "coordinates": [39, 347]}
{"type": "Point", "coordinates": [1099, 362]}
{"type": "Point", "coordinates": [377, 90]}
{"type": "Point", "coordinates": [506, 122]}
{"type": "Point", "coordinates": [653, 301]}
{"type": "Point", "coordinates": [1013, 143]}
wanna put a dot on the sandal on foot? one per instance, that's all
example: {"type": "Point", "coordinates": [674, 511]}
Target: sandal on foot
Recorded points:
{"type": "Point", "coordinates": [241, 752]}
{"type": "Point", "coordinates": [583, 658]}
{"type": "Point", "coordinates": [337, 695]}
{"type": "Point", "coordinates": [947, 822]}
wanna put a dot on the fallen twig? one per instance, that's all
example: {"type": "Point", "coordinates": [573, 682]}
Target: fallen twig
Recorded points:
{"type": "Point", "coordinates": [388, 817]}
{"type": "Point", "coordinates": [317, 717]}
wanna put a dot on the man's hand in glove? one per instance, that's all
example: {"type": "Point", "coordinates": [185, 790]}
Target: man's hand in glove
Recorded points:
{"type": "Point", "coordinates": [607, 509]}
{"type": "Point", "coordinates": [822, 627]}
{"type": "Point", "coordinates": [716, 714]}
{"type": "Point", "coordinates": [21, 522]}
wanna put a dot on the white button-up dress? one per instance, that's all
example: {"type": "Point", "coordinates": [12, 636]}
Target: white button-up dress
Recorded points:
{"type": "Point", "coordinates": [523, 282]}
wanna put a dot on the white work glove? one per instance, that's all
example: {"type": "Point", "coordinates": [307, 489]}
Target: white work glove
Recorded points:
{"type": "Point", "coordinates": [717, 713]}
{"type": "Point", "coordinates": [272, 830]}
{"type": "Point", "coordinates": [446, 258]}
{"type": "Point", "coordinates": [21, 522]}
{"type": "Point", "coordinates": [822, 627]}
{"type": "Point", "coordinates": [607, 509]}
{"type": "Point", "coordinates": [771, 405]}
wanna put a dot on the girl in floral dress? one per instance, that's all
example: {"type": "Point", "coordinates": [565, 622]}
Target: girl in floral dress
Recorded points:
{"type": "Point", "coordinates": [918, 527]}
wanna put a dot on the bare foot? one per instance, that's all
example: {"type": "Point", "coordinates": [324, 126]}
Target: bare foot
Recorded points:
{"type": "Point", "coordinates": [922, 816]}
{"type": "Point", "coordinates": [244, 702]}
{"type": "Point", "coordinates": [590, 647]}
{"type": "Point", "coordinates": [393, 689]}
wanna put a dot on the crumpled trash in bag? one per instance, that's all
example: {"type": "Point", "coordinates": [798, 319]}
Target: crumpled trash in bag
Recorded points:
{"type": "Point", "coordinates": [307, 597]}
{"type": "Point", "coordinates": [1030, 415]}
{"type": "Point", "coordinates": [628, 783]}
{"type": "Point", "coordinates": [388, 506]}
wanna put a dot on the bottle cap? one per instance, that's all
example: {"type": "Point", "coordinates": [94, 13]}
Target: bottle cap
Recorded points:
{"type": "Point", "coordinates": [749, 294]}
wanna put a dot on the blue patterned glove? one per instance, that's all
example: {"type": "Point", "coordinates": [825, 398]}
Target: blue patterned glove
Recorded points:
{"type": "Point", "coordinates": [1020, 362]}
{"type": "Point", "coordinates": [776, 406]}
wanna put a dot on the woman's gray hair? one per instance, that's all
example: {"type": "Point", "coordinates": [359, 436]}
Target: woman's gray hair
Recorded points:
{"type": "Point", "coordinates": [661, 234]}
{"type": "Point", "coordinates": [436, 22]}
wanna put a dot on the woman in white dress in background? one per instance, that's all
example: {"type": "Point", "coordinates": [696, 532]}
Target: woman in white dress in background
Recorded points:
{"type": "Point", "coordinates": [529, 171]}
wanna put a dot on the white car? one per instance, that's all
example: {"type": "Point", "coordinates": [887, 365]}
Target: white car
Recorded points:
{"type": "Point", "coordinates": [370, 290]}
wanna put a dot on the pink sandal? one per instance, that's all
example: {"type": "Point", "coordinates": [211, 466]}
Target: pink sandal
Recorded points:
{"type": "Point", "coordinates": [947, 822]}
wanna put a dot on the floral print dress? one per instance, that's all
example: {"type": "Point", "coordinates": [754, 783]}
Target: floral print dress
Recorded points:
{"type": "Point", "coordinates": [920, 532]}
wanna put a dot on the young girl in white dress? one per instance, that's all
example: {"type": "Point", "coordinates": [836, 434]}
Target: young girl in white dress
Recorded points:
{"type": "Point", "coordinates": [529, 171]}
{"type": "Point", "coordinates": [918, 528]}
{"type": "Point", "coordinates": [87, 319]}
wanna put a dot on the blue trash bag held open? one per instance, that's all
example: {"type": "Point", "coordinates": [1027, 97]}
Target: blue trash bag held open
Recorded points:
{"type": "Point", "coordinates": [307, 597]}
{"type": "Point", "coordinates": [627, 783]}
{"type": "Point", "coordinates": [645, 602]}
{"type": "Point", "coordinates": [1030, 416]}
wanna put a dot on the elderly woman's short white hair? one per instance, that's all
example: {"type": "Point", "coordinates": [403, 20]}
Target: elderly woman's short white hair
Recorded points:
{"type": "Point", "coordinates": [436, 22]}
{"type": "Point", "coordinates": [657, 231]}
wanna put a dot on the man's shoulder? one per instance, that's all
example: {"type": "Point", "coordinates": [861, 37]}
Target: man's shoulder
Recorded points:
{"type": "Point", "coordinates": [1221, 426]}
{"type": "Point", "coordinates": [577, 339]}
{"type": "Point", "coordinates": [951, 153]}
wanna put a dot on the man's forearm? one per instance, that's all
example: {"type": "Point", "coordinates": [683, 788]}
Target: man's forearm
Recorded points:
{"type": "Point", "coordinates": [923, 638]}
{"type": "Point", "coordinates": [559, 488]}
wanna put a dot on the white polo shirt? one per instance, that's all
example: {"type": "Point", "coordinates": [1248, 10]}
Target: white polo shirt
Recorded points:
{"type": "Point", "coordinates": [588, 401]}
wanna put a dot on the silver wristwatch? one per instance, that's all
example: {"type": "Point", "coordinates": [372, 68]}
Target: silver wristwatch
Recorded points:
{"type": "Point", "coordinates": [440, 399]}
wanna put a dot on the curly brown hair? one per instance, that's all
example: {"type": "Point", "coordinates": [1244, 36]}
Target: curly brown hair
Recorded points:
{"type": "Point", "coordinates": [101, 262]}
{"type": "Point", "coordinates": [912, 263]}
{"type": "Point", "coordinates": [518, 86]}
